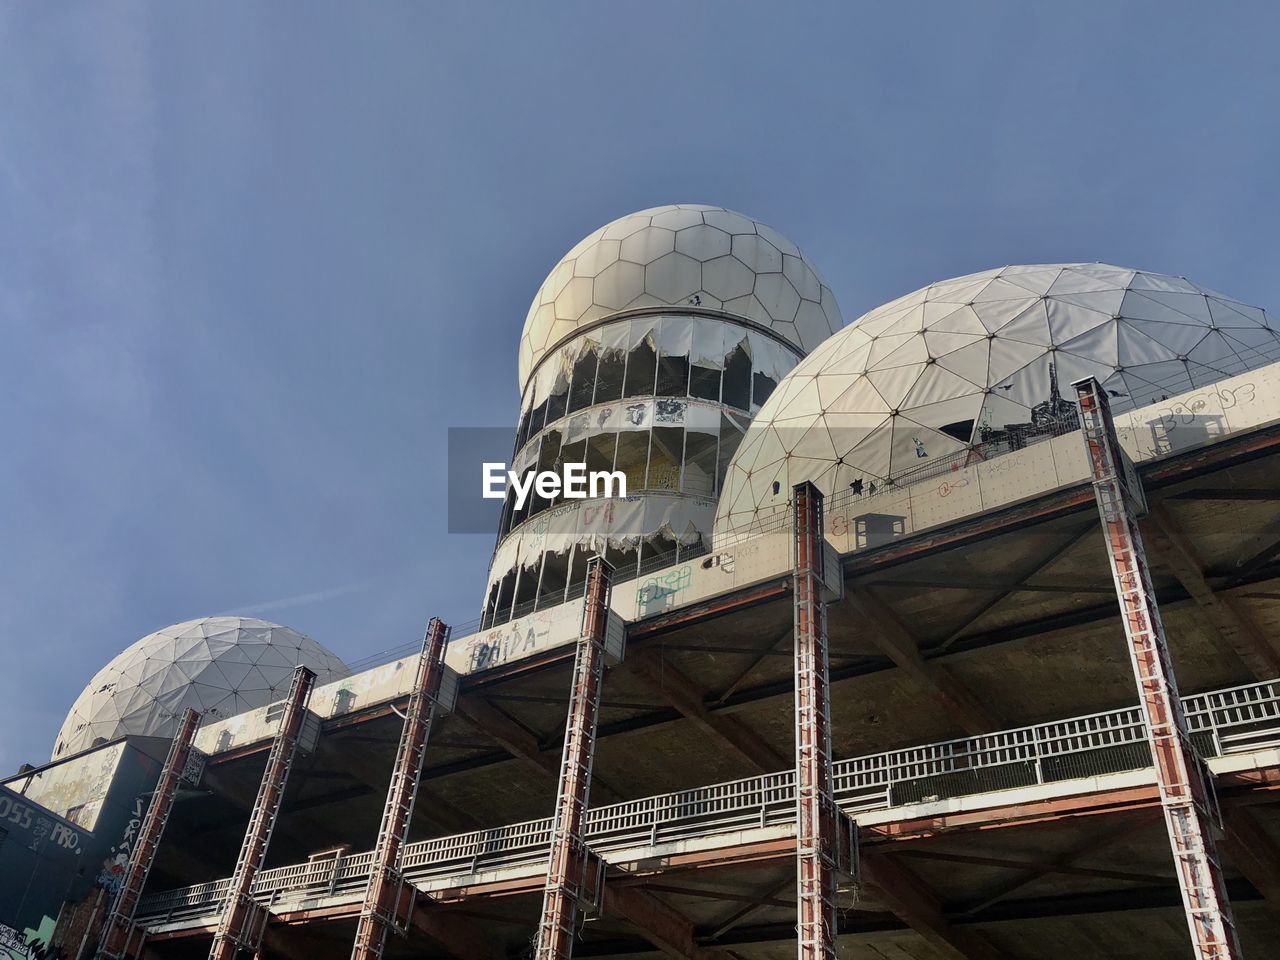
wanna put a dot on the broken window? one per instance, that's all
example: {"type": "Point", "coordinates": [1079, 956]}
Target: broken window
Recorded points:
{"type": "Point", "coordinates": [578, 571]}
{"type": "Point", "coordinates": [623, 559]}
{"type": "Point", "coordinates": [769, 369]}
{"type": "Point", "coordinates": [558, 400]}
{"type": "Point", "coordinates": [548, 459]}
{"type": "Point", "coordinates": [731, 431]}
{"type": "Point", "coordinates": [526, 589]}
{"type": "Point", "coordinates": [526, 418]}
{"type": "Point", "coordinates": [520, 515]}
{"type": "Point", "coordinates": [506, 591]}
{"type": "Point", "coordinates": [543, 382]}
{"type": "Point", "coordinates": [555, 574]}
{"type": "Point", "coordinates": [696, 548]}
{"type": "Point", "coordinates": [674, 341]}
{"type": "Point", "coordinates": [600, 450]}
{"type": "Point", "coordinates": [762, 385]}
{"type": "Point", "coordinates": [534, 422]}
{"type": "Point", "coordinates": [657, 551]}
{"type": "Point", "coordinates": [706, 359]}
{"type": "Point", "coordinates": [571, 453]}
{"type": "Point", "coordinates": [737, 373]}
{"type": "Point", "coordinates": [508, 519]}
{"type": "Point", "coordinates": [642, 359]}
{"type": "Point", "coordinates": [664, 458]}
{"type": "Point", "coordinates": [613, 362]}
{"type": "Point", "coordinates": [699, 463]}
{"type": "Point", "coordinates": [491, 603]}
{"type": "Point", "coordinates": [584, 375]}
{"type": "Point", "coordinates": [633, 451]}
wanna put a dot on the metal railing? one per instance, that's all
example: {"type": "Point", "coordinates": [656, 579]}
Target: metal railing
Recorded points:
{"type": "Point", "coordinates": [1233, 720]}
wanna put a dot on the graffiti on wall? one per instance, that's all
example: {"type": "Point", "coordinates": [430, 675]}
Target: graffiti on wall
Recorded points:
{"type": "Point", "coordinates": [111, 875]}
{"type": "Point", "coordinates": [512, 641]}
{"type": "Point", "coordinates": [38, 827]}
{"type": "Point", "coordinates": [31, 944]}
{"type": "Point", "coordinates": [664, 585]}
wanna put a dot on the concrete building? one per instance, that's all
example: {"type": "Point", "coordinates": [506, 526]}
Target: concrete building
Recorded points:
{"type": "Point", "coordinates": [647, 350]}
{"type": "Point", "coordinates": [959, 635]}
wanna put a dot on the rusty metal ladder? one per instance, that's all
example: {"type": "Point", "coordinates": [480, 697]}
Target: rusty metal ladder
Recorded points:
{"type": "Point", "coordinates": [389, 900]}
{"type": "Point", "coordinates": [243, 920]}
{"type": "Point", "coordinates": [120, 937]}
{"type": "Point", "coordinates": [1184, 787]}
{"type": "Point", "coordinates": [567, 868]}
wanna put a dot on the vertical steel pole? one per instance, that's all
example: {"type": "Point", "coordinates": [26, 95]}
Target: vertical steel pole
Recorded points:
{"type": "Point", "coordinates": [566, 868]}
{"type": "Point", "coordinates": [817, 824]}
{"type": "Point", "coordinates": [240, 925]}
{"type": "Point", "coordinates": [383, 904]}
{"type": "Point", "coordinates": [117, 932]}
{"type": "Point", "coordinates": [1184, 793]}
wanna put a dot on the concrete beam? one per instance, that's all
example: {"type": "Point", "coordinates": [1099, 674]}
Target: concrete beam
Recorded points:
{"type": "Point", "coordinates": [669, 931]}
{"type": "Point", "coordinates": [293, 820]}
{"type": "Point", "coordinates": [664, 679]}
{"type": "Point", "coordinates": [760, 658]}
{"type": "Point", "coordinates": [725, 896]}
{"type": "Point", "coordinates": [459, 936]}
{"type": "Point", "coordinates": [1046, 866]}
{"type": "Point", "coordinates": [519, 741]}
{"type": "Point", "coordinates": [1253, 853]}
{"type": "Point", "coordinates": [907, 897]}
{"type": "Point", "coordinates": [292, 942]}
{"type": "Point", "coordinates": [1018, 582]}
{"type": "Point", "coordinates": [1242, 494]}
{"type": "Point", "coordinates": [1257, 551]}
{"type": "Point", "coordinates": [896, 642]}
{"type": "Point", "coordinates": [1092, 845]}
{"type": "Point", "coordinates": [740, 914]}
{"type": "Point", "coordinates": [1229, 619]}
{"type": "Point", "coordinates": [430, 804]}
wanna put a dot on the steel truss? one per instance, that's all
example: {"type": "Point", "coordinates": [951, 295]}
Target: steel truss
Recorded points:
{"type": "Point", "coordinates": [243, 920]}
{"type": "Point", "coordinates": [818, 822]}
{"type": "Point", "coordinates": [120, 937]}
{"type": "Point", "coordinates": [389, 899]}
{"type": "Point", "coordinates": [1185, 797]}
{"type": "Point", "coordinates": [567, 868]}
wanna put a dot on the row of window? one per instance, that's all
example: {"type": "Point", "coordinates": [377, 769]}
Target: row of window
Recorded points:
{"type": "Point", "coordinates": [558, 577]}
{"type": "Point", "coordinates": [678, 356]}
{"type": "Point", "coordinates": [685, 459]}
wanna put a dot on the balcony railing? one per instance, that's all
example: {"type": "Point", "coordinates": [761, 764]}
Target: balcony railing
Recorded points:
{"type": "Point", "coordinates": [1234, 720]}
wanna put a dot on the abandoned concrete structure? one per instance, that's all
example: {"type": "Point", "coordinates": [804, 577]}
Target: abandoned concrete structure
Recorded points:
{"type": "Point", "coordinates": [965, 672]}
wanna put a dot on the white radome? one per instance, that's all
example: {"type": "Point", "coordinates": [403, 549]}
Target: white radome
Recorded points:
{"type": "Point", "coordinates": [685, 255]}
{"type": "Point", "coordinates": [973, 360]}
{"type": "Point", "coordinates": [221, 666]}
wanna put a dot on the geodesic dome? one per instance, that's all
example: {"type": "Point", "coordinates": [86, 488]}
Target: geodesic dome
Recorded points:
{"type": "Point", "coordinates": [986, 359]}
{"type": "Point", "coordinates": [220, 666]}
{"type": "Point", "coordinates": [688, 255]}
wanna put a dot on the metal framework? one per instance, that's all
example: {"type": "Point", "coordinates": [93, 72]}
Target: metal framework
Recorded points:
{"type": "Point", "coordinates": [1184, 792]}
{"type": "Point", "coordinates": [567, 865]}
{"type": "Point", "coordinates": [388, 899]}
{"type": "Point", "coordinates": [1235, 720]}
{"type": "Point", "coordinates": [817, 819]}
{"type": "Point", "coordinates": [243, 919]}
{"type": "Point", "coordinates": [118, 931]}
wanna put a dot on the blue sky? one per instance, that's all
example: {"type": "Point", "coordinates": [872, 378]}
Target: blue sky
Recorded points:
{"type": "Point", "coordinates": [255, 258]}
